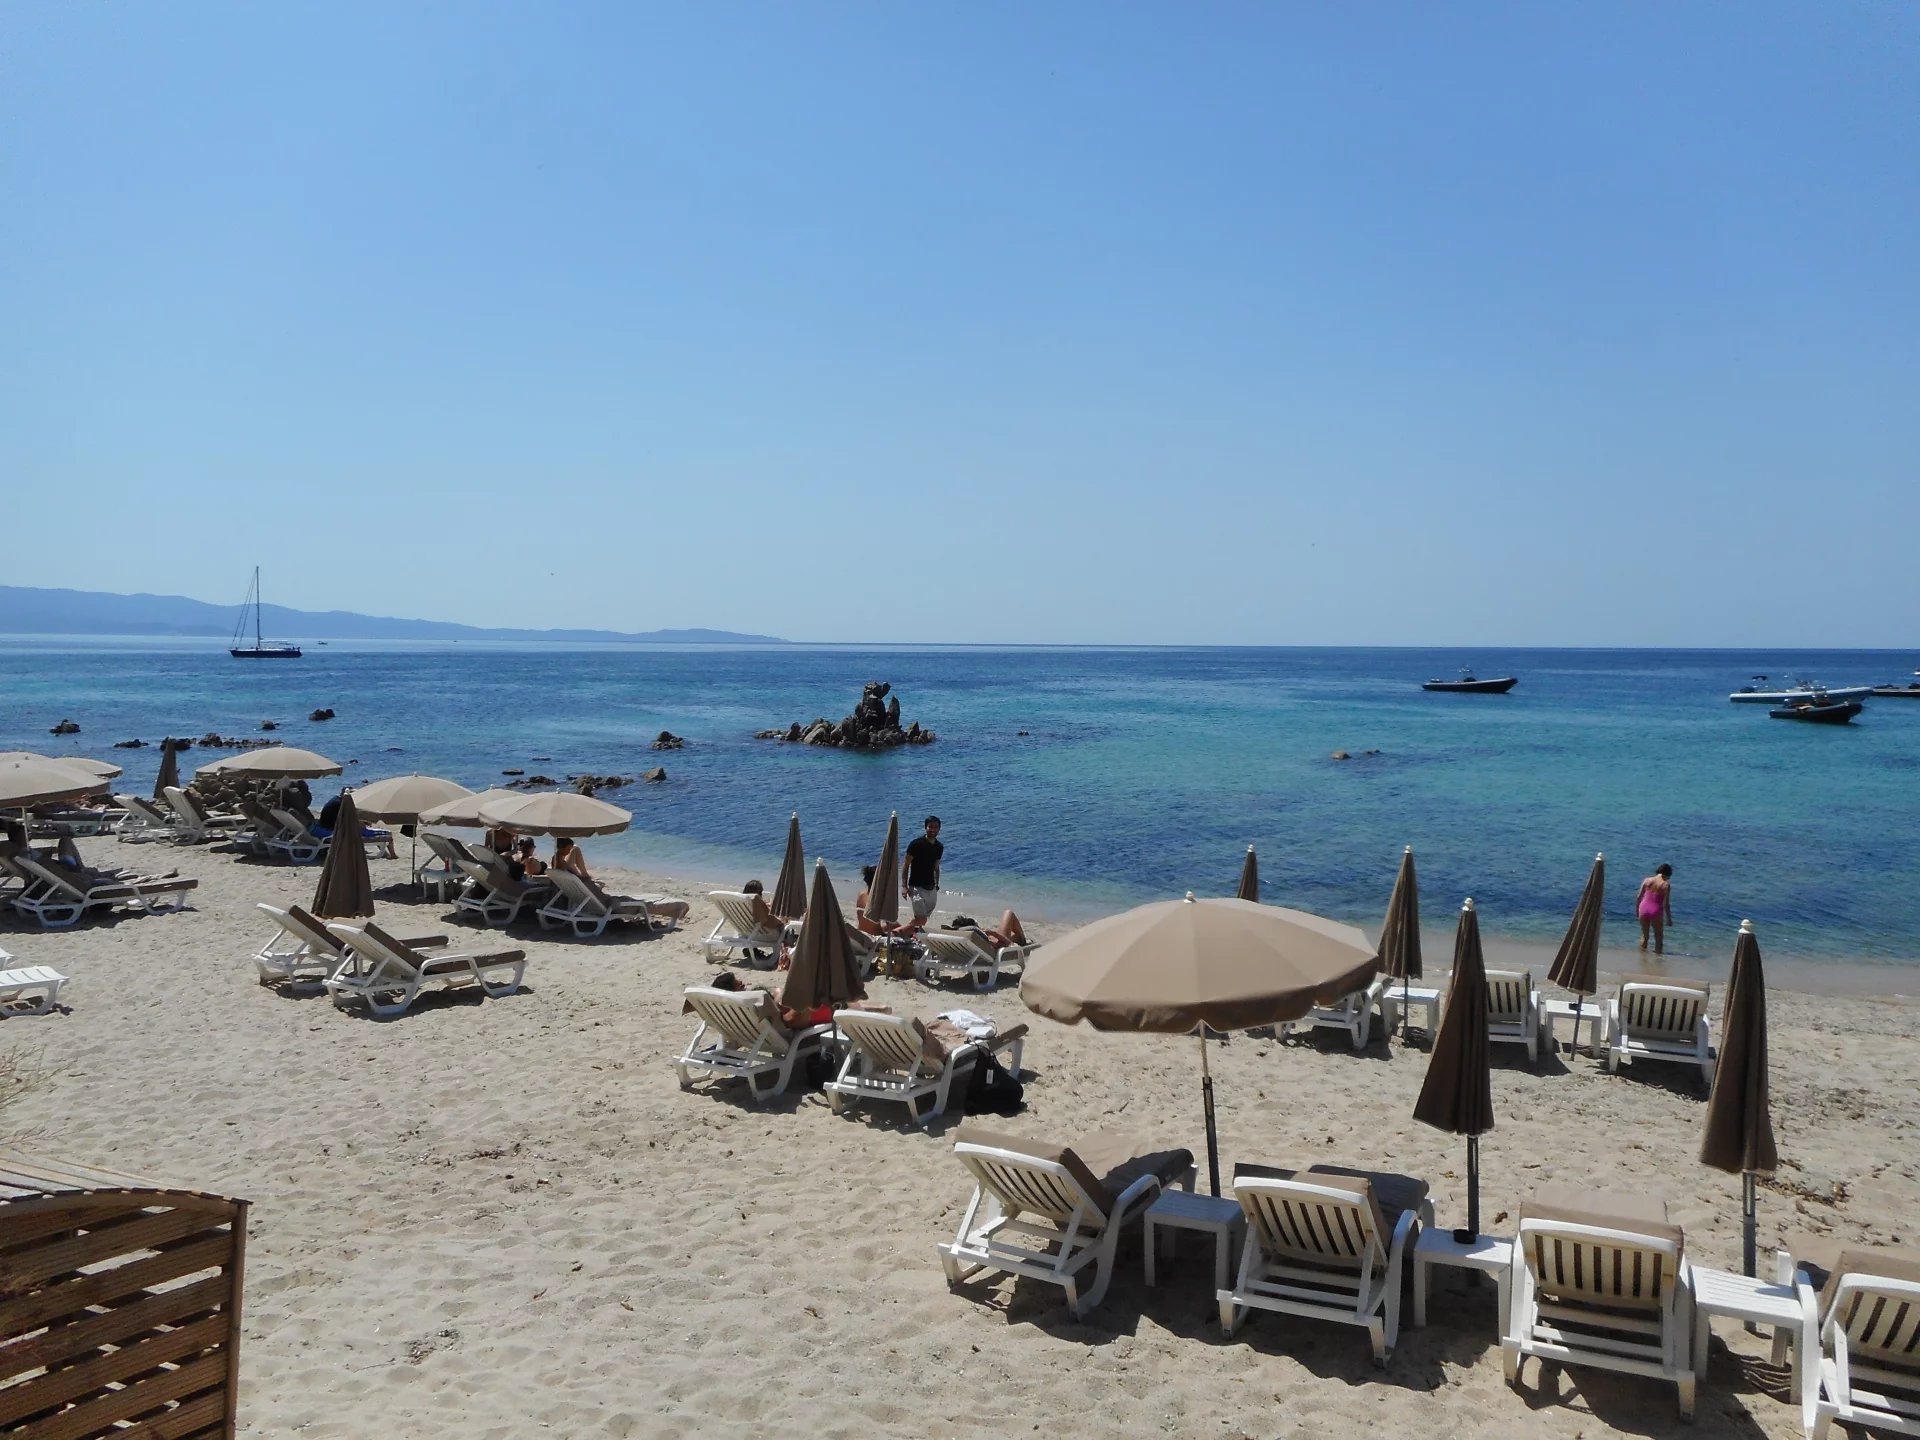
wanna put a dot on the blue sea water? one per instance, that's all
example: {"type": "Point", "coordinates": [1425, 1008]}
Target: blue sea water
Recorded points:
{"type": "Point", "coordinates": [1142, 773]}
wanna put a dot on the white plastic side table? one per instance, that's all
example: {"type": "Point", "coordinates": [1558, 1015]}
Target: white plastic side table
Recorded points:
{"type": "Point", "coordinates": [1208, 1214]}
{"type": "Point", "coordinates": [1424, 998]}
{"type": "Point", "coordinates": [1490, 1254]}
{"type": "Point", "coordinates": [1785, 1303]}
{"type": "Point", "coordinates": [1593, 1015]}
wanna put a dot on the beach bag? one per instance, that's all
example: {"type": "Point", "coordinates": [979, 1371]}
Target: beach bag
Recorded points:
{"type": "Point", "coordinates": [992, 1089]}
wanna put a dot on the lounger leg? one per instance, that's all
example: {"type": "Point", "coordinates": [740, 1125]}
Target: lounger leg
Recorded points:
{"type": "Point", "coordinates": [1687, 1391]}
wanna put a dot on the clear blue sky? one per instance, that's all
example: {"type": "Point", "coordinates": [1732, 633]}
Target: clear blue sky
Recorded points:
{"type": "Point", "coordinates": [1290, 323]}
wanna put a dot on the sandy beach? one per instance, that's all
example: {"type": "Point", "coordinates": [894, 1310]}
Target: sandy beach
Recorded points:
{"type": "Point", "coordinates": [504, 1217]}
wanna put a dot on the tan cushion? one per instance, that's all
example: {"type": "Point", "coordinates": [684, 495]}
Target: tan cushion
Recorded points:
{"type": "Point", "coordinates": [1388, 1195]}
{"type": "Point", "coordinates": [1679, 982]}
{"type": "Point", "coordinates": [1104, 1163]}
{"type": "Point", "coordinates": [1889, 1264]}
{"type": "Point", "coordinates": [1641, 1214]}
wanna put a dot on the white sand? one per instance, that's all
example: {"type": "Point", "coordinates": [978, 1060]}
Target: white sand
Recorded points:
{"type": "Point", "coordinates": [503, 1217]}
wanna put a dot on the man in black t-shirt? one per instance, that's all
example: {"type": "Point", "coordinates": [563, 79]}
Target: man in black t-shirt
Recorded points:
{"type": "Point", "coordinates": [920, 881]}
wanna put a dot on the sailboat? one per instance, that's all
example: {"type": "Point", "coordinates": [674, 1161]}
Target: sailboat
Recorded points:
{"type": "Point", "coordinates": [260, 649]}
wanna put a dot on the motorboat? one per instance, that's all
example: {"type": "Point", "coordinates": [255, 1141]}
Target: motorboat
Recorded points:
{"type": "Point", "coordinates": [1466, 684]}
{"type": "Point", "coordinates": [1757, 693]}
{"type": "Point", "coordinates": [1910, 690]}
{"type": "Point", "coordinates": [1819, 712]}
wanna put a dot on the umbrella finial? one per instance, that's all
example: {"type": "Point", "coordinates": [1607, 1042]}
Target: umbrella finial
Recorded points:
{"type": "Point", "coordinates": [1409, 850]}
{"type": "Point", "coordinates": [1600, 856]}
{"type": "Point", "coordinates": [1190, 899]}
{"type": "Point", "coordinates": [1746, 927]}
{"type": "Point", "coordinates": [1467, 904]}
{"type": "Point", "coordinates": [1249, 849]}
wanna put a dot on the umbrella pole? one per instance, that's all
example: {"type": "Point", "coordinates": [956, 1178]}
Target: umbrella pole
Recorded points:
{"type": "Point", "coordinates": [1472, 1232]}
{"type": "Point", "coordinates": [1573, 1045]}
{"type": "Point", "coordinates": [1748, 1199]}
{"type": "Point", "coordinates": [1406, 1009]}
{"type": "Point", "coordinates": [1206, 1093]}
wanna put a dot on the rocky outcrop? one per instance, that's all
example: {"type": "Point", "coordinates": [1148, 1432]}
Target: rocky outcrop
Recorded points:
{"type": "Point", "coordinates": [214, 740]}
{"type": "Point", "coordinates": [269, 724]}
{"type": "Point", "coordinates": [66, 727]}
{"type": "Point", "coordinates": [321, 715]}
{"type": "Point", "coordinates": [129, 744]}
{"type": "Point", "coordinates": [513, 772]}
{"type": "Point", "coordinates": [667, 740]}
{"type": "Point", "coordinates": [655, 775]}
{"type": "Point", "coordinates": [588, 784]}
{"type": "Point", "coordinates": [873, 725]}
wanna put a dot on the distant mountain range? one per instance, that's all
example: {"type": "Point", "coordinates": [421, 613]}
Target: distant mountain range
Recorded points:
{"type": "Point", "coordinates": [28, 611]}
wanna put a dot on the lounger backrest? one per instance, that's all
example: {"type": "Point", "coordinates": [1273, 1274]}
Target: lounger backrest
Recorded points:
{"type": "Point", "coordinates": [183, 805]}
{"type": "Point", "coordinates": [309, 928]}
{"type": "Point", "coordinates": [1595, 1266]}
{"type": "Point", "coordinates": [576, 890]}
{"type": "Point", "coordinates": [960, 947]}
{"type": "Point", "coordinates": [1669, 1012]}
{"type": "Point", "coordinates": [49, 875]}
{"type": "Point", "coordinates": [293, 825]}
{"type": "Point", "coordinates": [1052, 1184]}
{"type": "Point", "coordinates": [449, 850]}
{"type": "Point", "coordinates": [490, 877]}
{"type": "Point", "coordinates": [1882, 1319]}
{"type": "Point", "coordinates": [890, 1040]}
{"type": "Point", "coordinates": [737, 910]}
{"type": "Point", "coordinates": [1507, 992]}
{"type": "Point", "coordinates": [1326, 1221]}
{"type": "Point", "coordinates": [741, 1018]}
{"type": "Point", "coordinates": [370, 939]}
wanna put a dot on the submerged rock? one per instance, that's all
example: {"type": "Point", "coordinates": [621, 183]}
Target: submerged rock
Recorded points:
{"type": "Point", "coordinates": [873, 725]}
{"type": "Point", "coordinates": [321, 715]}
{"type": "Point", "coordinates": [129, 744]}
{"type": "Point", "coordinates": [66, 727]}
{"type": "Point", "coordinates": [667, 740]}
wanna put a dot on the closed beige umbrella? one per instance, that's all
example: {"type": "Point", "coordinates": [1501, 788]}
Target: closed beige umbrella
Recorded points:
{"type": "Point", "coordinates": [1400, 934]}
{"type": "Point", "coordinates": [1739, 1133]}
{"type": "Point", "coordinates": [169, 776]}
{"type": "Point", "coordinates": [560, 812]}
{"type": "Point", "coordinates": [883, 896]}
{"type": "Point", "coordinates": [789, 900]}
{"type": "Point", "coordinates": [464, 813]}
{"type": "Point", "coordinates": [103, 769]}
{"type": "Point", "coordinates": [42, 781]}
{"type": "Point", "coordinates": [1249, 878]}
{"type": "Point", "coordinates": [1576, 965]}
{"type": "Point", "coordinates": [1457, 1094]}
{"type": "Point", "coordinates": [1180, 967]}
{"type": "Point", "coordinates": [823, 970]}
{"type": "Point", "coordinates": [346, 887]}
{"type": "Point", "coordinates": [273, 762]}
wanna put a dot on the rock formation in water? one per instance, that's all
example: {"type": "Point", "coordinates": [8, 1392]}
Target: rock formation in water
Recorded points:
{"type": "Point", "coordinates": [873, 725]}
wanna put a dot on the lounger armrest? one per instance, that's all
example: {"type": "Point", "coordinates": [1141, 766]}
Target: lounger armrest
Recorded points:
{"type": "Point", "coordinates": [1007, 1037]}
{"type": "Point", "coordinates": [492, 957]}
{"type": "Point", "coordinates": [424, 942]}
{"type": "Point", "coordinates": [1409, 1218]}
{"type": "Point", "coordinates": [1145, 1187]}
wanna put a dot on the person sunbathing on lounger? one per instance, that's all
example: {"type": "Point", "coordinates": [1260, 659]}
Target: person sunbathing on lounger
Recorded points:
{"type": "Point", "coordinates": [1008, 932]}
{"type": "Point", "coordinates": [569, 857]}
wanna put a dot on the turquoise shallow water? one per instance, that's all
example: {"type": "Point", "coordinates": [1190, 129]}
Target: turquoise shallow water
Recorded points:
{"type": "Point", "coordinates": [1144, 772]}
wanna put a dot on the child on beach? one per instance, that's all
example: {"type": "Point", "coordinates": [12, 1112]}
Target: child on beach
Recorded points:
{"type": "Point", "coordinates": [1655, 908]}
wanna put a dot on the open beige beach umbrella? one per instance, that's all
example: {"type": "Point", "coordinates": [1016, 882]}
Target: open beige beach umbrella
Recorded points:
{"type": "Point", "coordinates": [1182, 967]}
{"type": "Point", "coordinates": [1577, 965]}
{"type": "Point", "coordinates": [100, 769]}
{"type": "Point", "coordinates": [346, 887]}
{"type": "Point", "coordinates": [789, 900]}
{"type": "Point", "coordinates": [1739, 1135]}
{"type": "Point", "coordinates": [1457, 1095]}
{"type": "Point", "coordinates": [1400, 934]}
{"type": "Point", "coordinates": [823, 970]}
{"type": "Point", "coordinates": [169, 776]}
{"type": "Point", "coordinates": [399, 801]}
{"type": "Point", "coordinates": [273, 762]}
{"type": "Point", "coordinates": [883, 896]}
{"type": "Point", "coordinates": [1249, 878]}
{"type": "Point", "coordinates": [558, 812]}
{"type": "Point", "coordinates": [464, 812]}
{"type": "Point", "coordinates": [38, 780]}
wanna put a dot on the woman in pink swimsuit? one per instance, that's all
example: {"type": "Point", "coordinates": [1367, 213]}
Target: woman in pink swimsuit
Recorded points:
{"type": "Point", "coordinates": [1655, 908]}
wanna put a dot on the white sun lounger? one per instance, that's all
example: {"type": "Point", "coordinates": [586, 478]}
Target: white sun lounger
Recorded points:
{"type": "Point", "coordinates": [1660, 1019]}
{"type": "Point", "coordinates": [892, 1057]}
{"type": "Point", "coordinates": [144, 821]}
{"type": "Point", "coordinates": [195, 824]}
{"type": "Point", "coordinates": [56, 901]}
{"type": "Point", "coordinates": [494, 896]}
{"type": "Point", "coordinates": [388, 974]}
{"type": "Point", "coordinates": [740, 1037]}
{"type": "Point", "coordinates": [294, 840]}
{"type": "Point", "coordinates": [440, 871]}
{"type": "Point", "coordinates": [1328, 1243]}
{"type": "Point", "coordinates": [1514, 1016]}
{"type": "Point", "coordinates": [1869, 1318]}
{"type": "Point", "coordinates": [1352, 1013]}
{"type": "Point", "coordinates": [1054, 1212]}
{"type": "Point", "coordinates": [966, 953]}
{"type": "Point", "coordinates": [738, 930]}
{"type": "Point", "coordinates": [303, 951]}
{"type": "Point", "coordinates": [32, 990]}
{"type": "Point", "coordinates": [586, 909]}
{"type": "Point", "coordinates": [1600, 1280]}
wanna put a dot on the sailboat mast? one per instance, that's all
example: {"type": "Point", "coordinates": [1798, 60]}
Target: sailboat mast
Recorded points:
{"type": "Point", "coordinates": [256, 607]}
